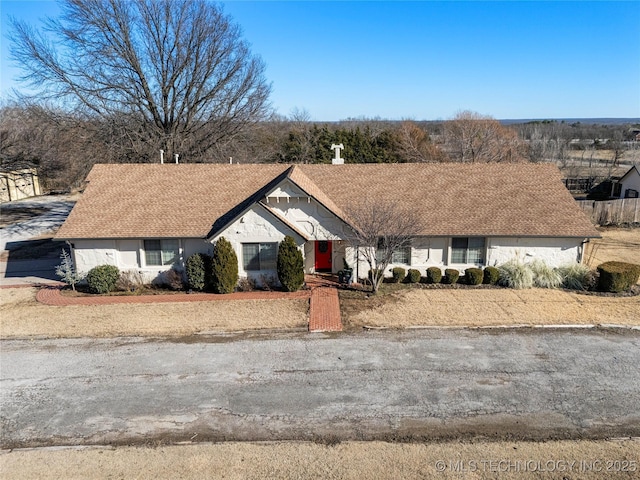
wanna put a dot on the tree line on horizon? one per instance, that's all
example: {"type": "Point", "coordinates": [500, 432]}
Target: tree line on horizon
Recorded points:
{"type": "Point", "coordinates": [64, 147]}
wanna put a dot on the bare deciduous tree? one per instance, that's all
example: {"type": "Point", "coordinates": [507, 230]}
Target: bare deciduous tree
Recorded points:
{"type": "Point", "coordinates": [471, 137]}
{"type": "Point", "coordinates": [171, 74]}
{"type": "Point", "coordinates": [381, 228]}
{"type": "Point", "coordinates": [301, 138]}
{"type": "Point", "coordinates": [55, 143]}
{"type": "Point", "coordinates": [415, 145]}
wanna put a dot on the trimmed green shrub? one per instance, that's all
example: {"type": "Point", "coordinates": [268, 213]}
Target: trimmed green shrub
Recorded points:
{"type": "Point", "coordinates": [577, 276]}
{"type": "Point", "coordinates": [103, 278]}
{"type": "Point", "coordinates": [290, 265]}
{"type": "Point", "coordinates": [617, 276]}
{"type": "Point", "coordinates": [544, 276]}
{"type": "Point", "coordinates": [473, 276]}
{"type": "Point", "coordinates": [398, 274]}
{"type": "Point", "coordinates": [413, 276]}
{"type": "Point", "coordinates": [451, 276]}
{"type": "Point", "coordinates": [224, 267]}
{"type": "Point", "coordinates": [515, 274]}
{"type": "Point", "coordinates": [490, 276]}
{"type": "Point", "coordinates": [434, 275]}
{"type": "Point", "coordinates": [196, 276]}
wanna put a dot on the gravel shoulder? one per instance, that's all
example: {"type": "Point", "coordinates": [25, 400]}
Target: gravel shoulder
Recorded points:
{"type": "Point", "coordinates": [350, 460]}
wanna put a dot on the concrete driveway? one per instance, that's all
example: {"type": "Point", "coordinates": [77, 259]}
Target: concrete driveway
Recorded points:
{"type": "Point", "coordinates": [428, 384]}
{"type": "Point", "coordinates": [27, 256]}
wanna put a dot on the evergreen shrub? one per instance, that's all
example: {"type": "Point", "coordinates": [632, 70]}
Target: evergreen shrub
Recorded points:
{"type": "Point", "coordinates": [473, 276]}
{"type": "Point", "coordinates": [224, 267]}
{"type": "Point", "coordinates": [434, 275]}
{"type": "Point", "coordinates": [451, 276]}
{"type": "Point", "coordinates": [491, 275]}
{"type": "Point", "coordinates": [398, 274]}
{"type": "Point", "coordinates": [290, 265]}
{"type": "Point", "coordinates": [103, 278]}
{"type": "Point", "coordinates": [617, 276]}
{"type": "Point", "coordinates": [413, 276]}
{"type": "Point", "coordinates": [196, 276]}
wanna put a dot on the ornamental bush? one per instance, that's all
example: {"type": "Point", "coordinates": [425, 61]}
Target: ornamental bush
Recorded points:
{"type": "Point", "coordinates": [194, 268]}
{"type": "Point", "coordinates": [413, 276]}
{"type": "Point", "coordinates": [617, 276]}
{"type": "Point", "coordinates": [398, 274]}
{"type": "Point", "coordinates": [491, 275]}
{"type": "Point", "coordinates": [473, 276]}
{"type": "Point", "coordinates": [577, 276]}
{"type": "Point", "coordinates": [171, 279]}
{"type": "Point", "coordinates": [224, 267]}
{"type": "Point", "coordinates": [67, 271]}
{"type": "Point", "coordinates": [544, 276]}
{"type": "Point", "coordinates": [451, 276]}
{"type": "Point", "coordinates": [130, 281]}
{"type": "Point", "coordinates": [290, 265]}
{"type": "Point", "coordinates": [103, 278]}
{"type": "Point", "coordinates": [434, 275]}
{"type": "Point", "coordinates": [515, 274]}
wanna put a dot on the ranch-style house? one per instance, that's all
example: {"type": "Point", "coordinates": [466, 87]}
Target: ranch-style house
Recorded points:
{"type": "Point", "coordinates": [152, 217]}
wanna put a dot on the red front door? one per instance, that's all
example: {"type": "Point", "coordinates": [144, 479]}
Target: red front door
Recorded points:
{"type": "Point", "coordinates": [323, 256]}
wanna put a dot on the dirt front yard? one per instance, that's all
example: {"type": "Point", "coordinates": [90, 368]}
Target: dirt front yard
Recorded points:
{"type": "Point", "coordinates": [349, 460]}
{"type": "Point", "coordinates": [22, 316]}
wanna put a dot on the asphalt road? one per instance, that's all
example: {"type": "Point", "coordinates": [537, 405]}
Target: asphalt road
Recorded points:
{"type": "Point", "coordinates": [422, 384]}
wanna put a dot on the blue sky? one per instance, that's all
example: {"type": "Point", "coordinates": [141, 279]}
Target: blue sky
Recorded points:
{"type": "Point", "coordinates": [428, 60]}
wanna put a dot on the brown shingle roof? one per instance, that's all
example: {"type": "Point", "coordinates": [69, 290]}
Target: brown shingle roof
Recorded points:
{"type": "Point", "coordinates": [186, 200]}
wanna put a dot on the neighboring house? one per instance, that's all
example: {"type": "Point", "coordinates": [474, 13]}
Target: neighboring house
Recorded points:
{"type": "Point", "coordinates": [19, 184]}
{"type": "Point", "coordinates": [152, 217]}
{"type": "Point", "coordinates": [628, 186]}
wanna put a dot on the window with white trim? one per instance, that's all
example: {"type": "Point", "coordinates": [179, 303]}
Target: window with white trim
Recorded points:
{"type": "Point", "coordinates": [161, 252]}
{"type": "Point", "coordinates": [259, 256]}
{"type": "Point", "coordinates": [467, 250]}
{"type": "Point", "coordinates": [400, 255]}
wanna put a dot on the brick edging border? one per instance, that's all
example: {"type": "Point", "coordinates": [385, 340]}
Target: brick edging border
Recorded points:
{"type": "Point", "coordinates": [51, 295]}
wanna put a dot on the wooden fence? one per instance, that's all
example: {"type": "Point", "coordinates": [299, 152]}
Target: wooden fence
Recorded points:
{"type": "Point", "coordinates": [612, 212]}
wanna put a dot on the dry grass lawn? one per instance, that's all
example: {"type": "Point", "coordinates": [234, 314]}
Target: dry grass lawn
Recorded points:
{"type": "Point", "coordinates": [22, 316]}
{"type": "Point", "coordinates": [350, 460]}
{"type": "Point", "coordinates": [489, 307]}
{"type": "Point", "coordinates": [619, 244]}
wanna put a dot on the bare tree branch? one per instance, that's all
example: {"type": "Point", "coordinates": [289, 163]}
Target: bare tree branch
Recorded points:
{"type": "Point", "coordinates": [380, 229]}
{"type": "Point", "coordinates": [176, 69]}
{"type": "Point", "coordinates": [471, 137]}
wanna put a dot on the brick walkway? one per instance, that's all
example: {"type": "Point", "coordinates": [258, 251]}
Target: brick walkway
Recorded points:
{"type": "Point", "coordinates": [324, 310]}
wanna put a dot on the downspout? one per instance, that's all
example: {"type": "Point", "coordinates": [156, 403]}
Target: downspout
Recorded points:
{"type": "Point", "coordinates": [73, 254]}
{"type": "Point", "coordinates": [582, 249]}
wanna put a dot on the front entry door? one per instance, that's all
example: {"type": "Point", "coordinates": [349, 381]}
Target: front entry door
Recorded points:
{"type": "Point", "coordinates": [323, 256]}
